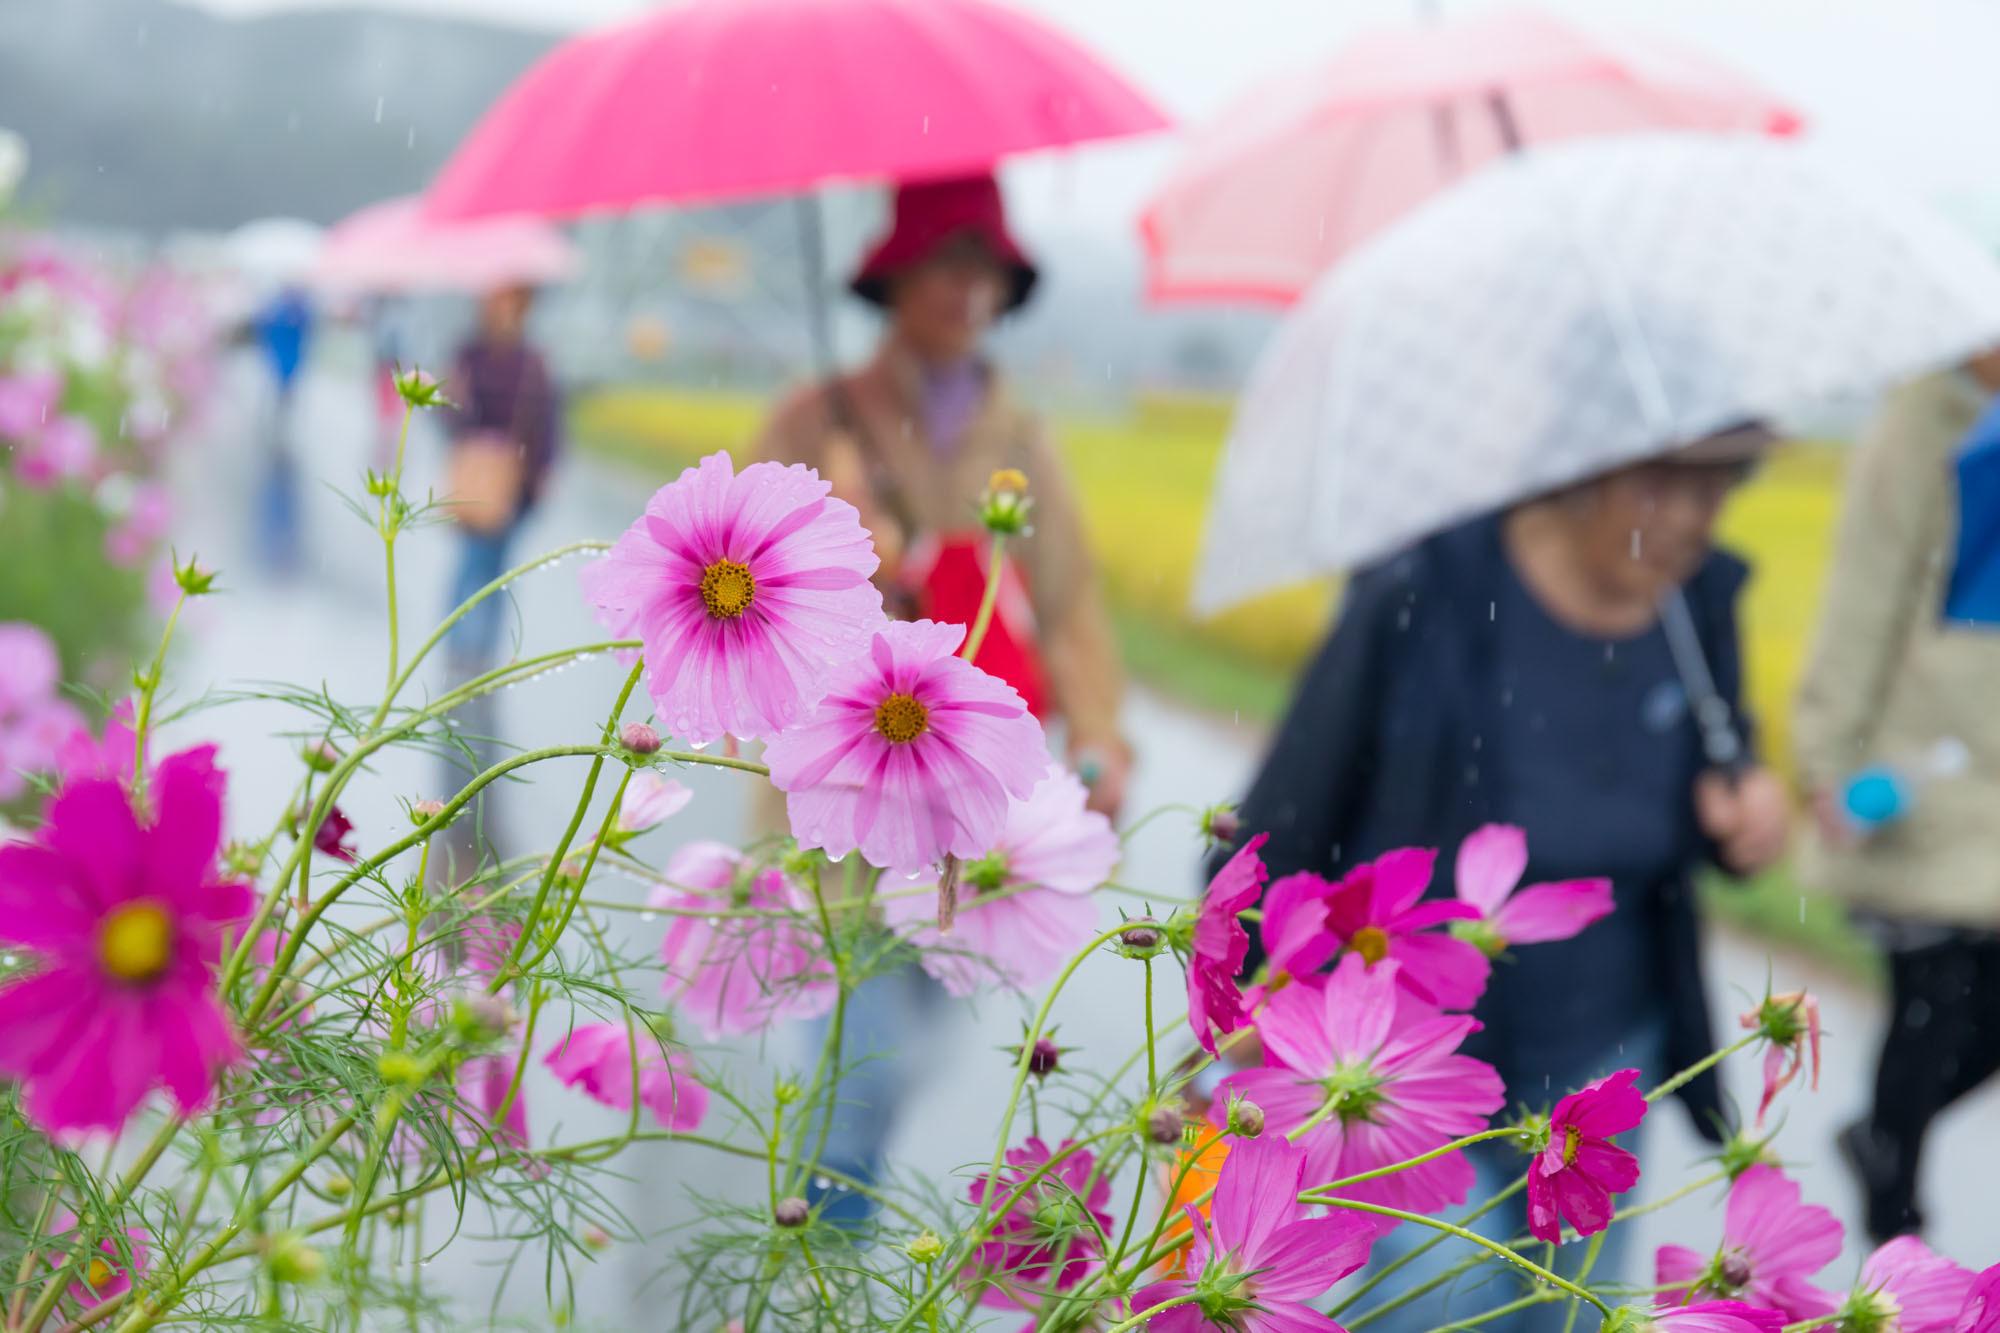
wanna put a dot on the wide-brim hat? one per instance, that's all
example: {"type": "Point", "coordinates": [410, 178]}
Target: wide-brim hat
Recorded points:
{"type": "Point", "coordinates": [929, 213]}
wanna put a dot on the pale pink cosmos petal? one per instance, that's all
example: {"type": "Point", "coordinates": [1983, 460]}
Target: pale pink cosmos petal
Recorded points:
{"type": "Point", "coordinates": [1255, 1194]}
{"type": "Point", "coordinates": [1543, 913]}
{"type": "Point", "coordinates": [28, 399]}
{"type": "Point", "coordinates": [1054, 840]}
{"type": "Point", "coordinates": [651, 799]}
{"type": "Point", "coordinates": [1282, 1316]}
{"type": "Point", "coordinates": [65, 450]}
{"type": "Point", "coordinates": [1019, 940]}
{"type": "Point", "coordinates": [1359, 1008]}
{"type": "Point", "coordinates": [701, 865]}
{"type": "Point", "coordinates": [674, 1096]}
{"type": "Point", "coordinates": [1490, 863]}
{"type": "Point", "coordinates": [1929, 1289]}
{"type": "Point", "coordinates": [590, 1057]}
{"type": "Point", "coordinates": [737, 974]}
{"type": "Point", "coordinates": [1179, 1319]}
{"type": "Point", "coordinates": [1296, 1032]}
{"type": "Point", "coordinates": [810, 604]}
{"type": "Point", "coordinates": [1286, 1099]}
{"type": "Point", "coordinates": [29, 665]}
{"type": "Point", "coordinates": [1715, 1317]}
{"type": "Point", "coordinates": [1676, 1268]}
{"type": "Point", "coordinates": [1782, 1235]}
{"type": "Point", "coordinates": [1305, 1257]}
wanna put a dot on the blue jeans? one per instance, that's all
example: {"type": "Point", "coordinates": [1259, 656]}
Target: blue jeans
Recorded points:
{"type": "Point", "coordinates": [886, 1020]}
{"type": "Point", "coordinates": [482, 558]}
{"type": "Point", "coordinates": [1498, 1166]}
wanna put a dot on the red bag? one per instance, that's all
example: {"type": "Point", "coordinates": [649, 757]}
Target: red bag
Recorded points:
{"type": "Point", "coordinates": [947, 579]}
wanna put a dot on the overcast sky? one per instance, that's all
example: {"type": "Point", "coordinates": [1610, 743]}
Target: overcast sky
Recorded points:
{"type": "Point", "coordinates": [1907, 85]}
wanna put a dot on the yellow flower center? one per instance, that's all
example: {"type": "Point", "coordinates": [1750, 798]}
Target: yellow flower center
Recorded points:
{"type": "Point", "coordinates": [97, 1272]}
{"type": "Point", "coordinates": [1008, 479]}
{"type": "Point", "coordinates": [136, 941]}
{"type": "Point", "coordinates": [901, 719]}
{"type": "Point", "coordinates": [1571, 1136]}
{"type": "Point", "coordinates": [727, 589]}
{"type": "Point", "coordinates": [1372, 943]}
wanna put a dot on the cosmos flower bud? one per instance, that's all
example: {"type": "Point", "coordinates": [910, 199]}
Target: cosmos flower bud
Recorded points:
{"type": "Point", "coordinates": [1220, 825]}
{"type": "Point", "coordinates": [1246, 1118]}
{"type": "Point", "coordinates": [424, 811]}
{"type": "Point", "coordinates": [420, 388]}
{"type": "Point", "coordinates": [399, 1067]}
{"type": "Point", "coordinates": [792, 1211]}
{"type": "Point", "coordinates": [482, 1018]}
{"type": "Point", "coordinates": [191, 578]}
{"type": "Point", "coordinates": [292, 1260]}
{"type": "Point", "coordinates": [1142, 938]}
{"type": "Point", "coordinates": [639, 738]}
{"type": "Point", "coordinates": [597, 1238]}
{"type": "Point", "coordinates": [1044, 1058]}
{"type": "Point", "coordinates": [1004, 507]}
{"type": "Point", "coordinates": [338, 1186]}
{"type": "Point", "coordinates": [320, 756]}
{"type": "Point", "coordinates": [1165, 1123]}
{"type": "Point", "coordinates": [924, 1247]}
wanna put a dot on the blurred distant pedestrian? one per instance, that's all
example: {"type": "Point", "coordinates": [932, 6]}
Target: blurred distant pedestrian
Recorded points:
{"type": "Point", "coordinates": [282, 328]}
{"type": "Point", "coordinates": [1519, 669]}
{"type": "Point", "coordinates": [505, 432]}
{"type": "Point", "coordinates": [1903, 668]}
{"type": "Point", "coordinates": [911, 439]}
{"type": "Point", "coordinates": [386, 319]}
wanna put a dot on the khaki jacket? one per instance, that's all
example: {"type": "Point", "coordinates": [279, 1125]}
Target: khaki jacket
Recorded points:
{"type": "Point", "coordinates": [938, 494]}
{"type": "Point", "coordinates": [1888, 679]}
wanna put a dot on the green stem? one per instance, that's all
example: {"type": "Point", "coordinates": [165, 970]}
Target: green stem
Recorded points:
{"type": "Point", "coordinates": [149, 1156]}
{"type": "Point", "coordinates": [143, 716]}
{"type": "Point", "coordinates": [1316, 1193]}
{"type": "Point", "coordinates": [1590, 1254]}
{"type": "Point", "coordinates": [1146, 1316]}
{"type": "Point", "coordinates": [1388, 1270]}
{"type": "Point", "coordinates": [1702, 1066]}
{"type": "Point", "coordinates": [1528, 1302]}
{"type": "Point", "coordinates": [499, 1116]}
{"type": "Point", "coordinates": [1525, 1264]}
{"type": "Point", "coordinates": [987, 600]}
{"type": "Point", "coordinates": [583, 875]}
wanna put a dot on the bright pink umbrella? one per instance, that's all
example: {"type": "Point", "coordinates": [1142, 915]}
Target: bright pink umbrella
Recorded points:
{"type": "Point", "coordinates": [721, 99]}
{"type": "Point", "coordinates": [1279, 186]}
{"type": "Point", "coordinates": [393, 247]}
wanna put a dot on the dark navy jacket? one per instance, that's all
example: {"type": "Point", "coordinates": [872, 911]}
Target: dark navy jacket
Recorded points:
{"type": "Point", "coordinates": [1388, 743]}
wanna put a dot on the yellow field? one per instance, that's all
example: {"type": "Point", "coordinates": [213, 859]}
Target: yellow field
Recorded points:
{"type": "Point", "coordinates": [1144, 482]}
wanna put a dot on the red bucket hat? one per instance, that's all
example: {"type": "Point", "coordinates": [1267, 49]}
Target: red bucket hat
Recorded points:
{"type": "Point", "coordinates": [929, 213]}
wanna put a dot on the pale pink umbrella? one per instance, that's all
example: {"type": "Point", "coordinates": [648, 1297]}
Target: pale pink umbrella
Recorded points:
{"type": "Point", "coordinates": [726, 99]}
{"type": "Point", "coordinates": [393, 247]}
{"type": "Point", "coordinates": [731, 99]}
{"type": "Point", "coordinates": [1275, 189]}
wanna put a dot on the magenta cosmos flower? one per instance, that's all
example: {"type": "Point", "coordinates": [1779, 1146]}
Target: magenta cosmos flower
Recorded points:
{"type": "Point", "coordinates": [1576, 1175]}
{"type": "Point", "coordinates": [106, 1273]}
{"type": "Point", "coordinates": [125, 917]}
{"type": "Point", "coordinates": [36, 723]}
{"type": "Point", "coordinates": [1490, 864]}
{"type": "Point", "coordinates": [1049, 1238]}
{"type": "Point", "coordinates": [1390, 1065]}
{"type": "Point", "coordinates": [1026, 906]}
{"type": "Point", "coordinates": [737, 973]}
{"type": "Point", "coordinates": [598, 1058]}
{"type": "Point", "coordinates": [913, 753]}
{"type": "Point", "coordinates": [1772, 1245]}
{"type": "Point", "coordinates": [1220, 944]}
{"type": "Point", "coordinates": [484, 1082]}
{"type": "Point", "coordinates": [1906, 1288]}
{"type": "Point", "coordinates": [745, 589]}
{"type": "Point", "coordinates": [1981, 1311]}
{"type": "Point", "coordinates": [1705, 1317]}
{"type": "Point", "coordinates": [1261, 1255]}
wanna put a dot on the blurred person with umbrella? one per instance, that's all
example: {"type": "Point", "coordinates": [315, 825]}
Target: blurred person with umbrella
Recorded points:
{"type": "Point", "coordinates": [910, 439]}
{"type": "Point", "coordinates": [1516, 414]}
{"type": "Point", "coordinates": [1897, 702]}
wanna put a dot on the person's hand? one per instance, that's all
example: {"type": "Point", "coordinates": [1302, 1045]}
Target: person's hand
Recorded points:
{"type": "Point", "coordinates": [1749, 817]}
{"type": "Point", "coordinates": [1835, 829]}
{"type": "Point", "coordinates": [1105, 773]}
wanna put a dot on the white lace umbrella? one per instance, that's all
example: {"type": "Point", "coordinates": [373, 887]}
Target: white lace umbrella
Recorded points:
{"type": "Point", "coordinates": [1565, 312]}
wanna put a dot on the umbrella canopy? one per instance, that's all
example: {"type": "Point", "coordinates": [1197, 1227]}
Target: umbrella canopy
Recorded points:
{"type": "Point", "coordinates": [1566, 312]}
{"type": "Point", "coordinates": [393, 247]}
{"type": "Point", "coordinates": [1275, 189]}
{"type": "Point", "coordinates": [722, 99]}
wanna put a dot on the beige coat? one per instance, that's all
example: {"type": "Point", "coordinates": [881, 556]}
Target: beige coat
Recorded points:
{"type": "Point", "coordinates": [939, 493]}
{"type": "Point", "coordinates": [1888, 680]}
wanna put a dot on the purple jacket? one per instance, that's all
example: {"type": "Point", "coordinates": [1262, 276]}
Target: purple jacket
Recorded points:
{"type": "Point", "coordinates": [506, 388]}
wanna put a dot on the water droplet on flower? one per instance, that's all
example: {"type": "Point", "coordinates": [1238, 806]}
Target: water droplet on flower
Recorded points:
{"type": "Point", "coordinates": [821, 1182]}
{"type": "Point", "coordinates": [649, 916]}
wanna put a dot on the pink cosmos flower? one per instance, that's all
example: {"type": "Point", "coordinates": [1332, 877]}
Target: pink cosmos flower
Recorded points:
{"type": "Point", "coordinates": [483, 1083]}
{"type": "Point", "coordinates": [110, 756]}
{"type": "Point", "coordinates": [1981, 1311]}
{"type": "Point", "coordinates": [1377, 911]}
{"type": "Point", "coordinates": [1576, 1175]}
{"type": "Point", "coordinates": [1051, 1237]}
{"type": "Point", "coordinates": [1220, 945]}
{"type": "Point", "coordinates": [746, 589]}
{"type": "Point", "coordinates": [331, 838]}
{"type": "Point", "coordinates": [125, 917]}
{"type": "Point", "coordinates": [1772, 1244]}
{"type": "Point", "coordinates": [144, 524]}
{"type": "Point", "coordinates": [1706, 1317]}
{"type": "Point", "coordinates": [598, 1058]}
{"type": "Point", "coordinates": [1261, 1255]}
{"type": "Point", "coordinates": [66, 450]}
{"type": "Point", "coordinates": [105, 1274]}
{"type": "Point", "coordinates": [913, 753]}
{"type": "Point", "coordinates": [36, 723]}
{"type": "Point", "coordinates": [1391, 1066]}
{"type": "Point", "coordinates": [1790, 1022]}
{"type": "Point", "coordinates": [27, 401]}
{"type": "Point", "coordinates": [1052, 853]}
{"type": "Point", "coordinates": [651, 799]}
{"type": "Point", "coordinates": [1906, 1288]}
{"type": "Point", "coordinates": [735, 974]}
{"type": "Point", "coordinates": [1490, 863]}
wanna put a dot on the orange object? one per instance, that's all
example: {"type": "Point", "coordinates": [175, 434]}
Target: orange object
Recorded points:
{"type": "Point", "coordinates": [1201, 1172]}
